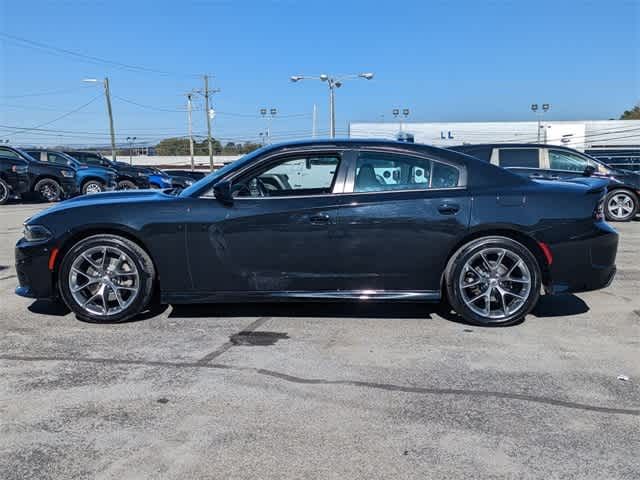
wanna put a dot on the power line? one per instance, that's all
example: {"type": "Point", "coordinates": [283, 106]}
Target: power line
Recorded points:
{"type": "Point", "coordinates": [48, 48]}
{"type": "Point", "coordinates": [22, 130]}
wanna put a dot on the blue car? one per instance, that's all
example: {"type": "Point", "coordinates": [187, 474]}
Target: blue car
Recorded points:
{"type": "Point", "coordinates": [159, 179]}
{"type": "Point", "coordinates": [89, 179]}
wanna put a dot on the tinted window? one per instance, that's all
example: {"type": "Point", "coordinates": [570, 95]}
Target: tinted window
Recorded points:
{"type": "Point", "coordinates": [291, 176]}
{"type": "Point", "coordinates": [56, 158]}
{"type": "Point", "coordinates": [519, 157]}
{"type": "Point", "coordinates": [5, 152]}
{"type": "Point", "coordinates": [562, 160]}
{"type": "Point", "coordinates": [383, 171]}
{"type": "Point", "coordinates": [483, 153]}
{"type": "Point", "coordinates": [35, 154]}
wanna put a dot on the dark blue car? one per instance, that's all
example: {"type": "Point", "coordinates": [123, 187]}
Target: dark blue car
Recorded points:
{"type": "Point", "coordinates": [89, 179]}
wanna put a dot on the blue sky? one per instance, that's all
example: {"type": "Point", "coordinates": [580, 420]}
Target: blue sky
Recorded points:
{"type": "Point", "coordinates": [446, 61]}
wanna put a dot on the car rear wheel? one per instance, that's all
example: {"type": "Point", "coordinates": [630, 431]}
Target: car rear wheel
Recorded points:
{"type": "Point", "coordinates": [106, 278]}
{"type": "Point", "coordinates": [493, 281]}
{"type": "Point", "coordinates": [621, 206]}
{"type": "Point", "coordinates": [126, 185]}
{"type": "Point", "coordinates": [48, 189]}
{"type": "Point", "coordinates": [92, 186]}
{"type": "Point", "coordinates": [5, 192]}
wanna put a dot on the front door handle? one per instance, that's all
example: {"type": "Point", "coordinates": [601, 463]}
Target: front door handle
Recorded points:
{"type": "Point", "coordinates": [448, 208]}
{"type": "Point", "coordinates": [320, 219]}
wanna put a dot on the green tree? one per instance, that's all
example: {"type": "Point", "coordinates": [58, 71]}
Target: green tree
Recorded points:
{"type": "Point", "coordinates": [633, 114]}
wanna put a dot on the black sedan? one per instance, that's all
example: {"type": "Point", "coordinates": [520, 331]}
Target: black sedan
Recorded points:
{"type": "Point", "coordinates": [327, 220]}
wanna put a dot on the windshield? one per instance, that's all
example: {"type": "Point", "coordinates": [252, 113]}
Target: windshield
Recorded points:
{"type": "Point", "coordinates": [71, 161]}
{"type": "Point", "coordinates": [210, 179]}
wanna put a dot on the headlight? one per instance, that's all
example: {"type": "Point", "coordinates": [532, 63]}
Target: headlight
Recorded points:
{"type": "Point", "coordinates": [142, 174]}
{"type": "Point", "coordinates": [68, 173]}
{"type": "Point", "coordinates": [188, 182]}
{"type": "Point", "coordinates": [36, 233]}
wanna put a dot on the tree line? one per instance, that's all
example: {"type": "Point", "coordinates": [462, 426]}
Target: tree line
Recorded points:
{"type": "Point", "coordinates": [180, 146]}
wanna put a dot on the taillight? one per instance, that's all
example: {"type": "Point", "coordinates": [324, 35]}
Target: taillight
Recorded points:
{"type": "Point", "coordinates": [598, 213]}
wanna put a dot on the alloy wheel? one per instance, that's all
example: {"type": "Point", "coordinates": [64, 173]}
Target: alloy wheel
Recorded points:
{"type": "Point", "coordinates": [620, 206]}
{"type": "Point", "coordinates": [48, 191]}
{"type": "Point", "coordinates": [92, 187]}
{"type": "Point", "coordinates": [4, 192]}
{"type": "Point", "coordinates": [104, 280]}
{"type": "Point", "coordinates": [495, 283]}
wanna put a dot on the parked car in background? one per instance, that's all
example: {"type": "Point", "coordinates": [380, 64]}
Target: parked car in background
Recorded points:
{"type": "Point", "coordinates": [14, 176]}
{"type": "Point", "coordinates": [129, 177]}
{"type": "Point", "coordinates": [49, 181]}
{"type": "Point", "coordinates": [90, 179]}
{"type": "Point", "coordinates": [619, 158]}
{"type": "Point", "coordinates": [325, 227]}
{"type": "Point", "coordinates": [158, 178]}
{"type": "Point", "coordinates": [184, 178]}
{"type": "Point", "coordinates": [559, 163]}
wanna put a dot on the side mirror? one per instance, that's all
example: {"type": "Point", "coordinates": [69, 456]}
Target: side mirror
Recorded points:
{"type": "Point", "coordinates": [589, 170]}
{"type": "Point", "coordinates": [222, 192]}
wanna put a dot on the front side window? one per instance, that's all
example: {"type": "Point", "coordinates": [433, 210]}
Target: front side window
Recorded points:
{"type": "Point", "coordinates": [304, 175]}
{"type": "Point", "coordinates": [379, 172]}
{"type": "Point", "coordinates": [519, 158]}
{"type": "Point", "coordinates": [56, 158]}
{"type": "Point", "coordinates": [7, 153]}
{"type": "Point", "coordinates": [561, 160]}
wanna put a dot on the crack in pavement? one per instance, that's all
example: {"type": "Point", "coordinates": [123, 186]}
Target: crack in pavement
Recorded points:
{"type": "Point", "coordinates": [226, 346]}
{"type": "Point", "coordinates": [320, 381]}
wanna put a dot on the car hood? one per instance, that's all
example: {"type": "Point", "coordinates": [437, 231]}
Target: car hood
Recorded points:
{"type": "Point", "coordinates": [117, 199]}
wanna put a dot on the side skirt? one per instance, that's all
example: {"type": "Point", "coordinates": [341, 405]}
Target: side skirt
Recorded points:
{"type": "Point", "coordinates": [286, 296]}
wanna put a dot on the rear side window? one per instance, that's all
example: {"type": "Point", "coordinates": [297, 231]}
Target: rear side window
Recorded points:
{"type": "Point", "coordinates": [519, 158]}
{"type": "Point", "coordinates": [5, 152]}
{"type": "Point", "coordinates": [483, 153]}
{"type": "Point", "coordinates": [379, 172]}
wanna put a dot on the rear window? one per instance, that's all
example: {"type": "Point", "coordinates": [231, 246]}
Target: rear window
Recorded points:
{"type": "Point", "coordinates": [519, 158]}
{"type": "Point", "coordinates": [483, 153]}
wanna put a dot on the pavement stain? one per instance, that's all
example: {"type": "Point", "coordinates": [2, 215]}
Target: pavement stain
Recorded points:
{"type": "Point", "coordinates": [257, 339]}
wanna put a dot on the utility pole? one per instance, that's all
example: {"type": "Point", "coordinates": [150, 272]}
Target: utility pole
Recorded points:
{"type": "Point", "coordinates": [107, 95]}
{"type": "Point", "coordinates": [206, 109]}
{"type": "Point", "coordinates": [189, 107]}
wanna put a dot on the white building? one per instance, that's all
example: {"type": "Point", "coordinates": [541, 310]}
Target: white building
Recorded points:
{"type": "Point", "coordinates": [581, 135]}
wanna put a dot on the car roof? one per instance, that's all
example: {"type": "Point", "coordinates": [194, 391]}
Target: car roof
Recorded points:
{"type": "Point", "coordinates": [502, 145]}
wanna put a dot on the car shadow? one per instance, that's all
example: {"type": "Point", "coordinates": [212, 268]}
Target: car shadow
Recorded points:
{"type": "Point", "coordinates": [559, 306]}
{"type": "Point", "coordinates": [309, 309]}
{"type": "Point", "coordinates": [49, 307]}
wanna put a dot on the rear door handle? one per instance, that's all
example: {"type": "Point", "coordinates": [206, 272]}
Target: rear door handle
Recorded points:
{"type": "Point", "coordinates": [320, 219]}
{"type": "Point", "coordinates": [448, 208]}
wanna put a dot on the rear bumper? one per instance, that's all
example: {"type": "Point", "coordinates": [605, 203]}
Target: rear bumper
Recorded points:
{"type": "Point", "coordinates": [585, 264]}
{"type": "Point", "coordinates": [35, 280]}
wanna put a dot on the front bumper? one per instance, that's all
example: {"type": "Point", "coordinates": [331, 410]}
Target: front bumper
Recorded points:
{"type": "Point", "coordinates": [35, 280]}
{"type": "Point", "coordinates": [585, 264]}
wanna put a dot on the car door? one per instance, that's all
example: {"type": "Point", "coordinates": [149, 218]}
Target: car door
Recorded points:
{"type": "Point", "coordinates": [525, 161]}
{"type": "Point", "coordinates": [400, 216]}
{"type": "Point", "coordinates": [277, 234]}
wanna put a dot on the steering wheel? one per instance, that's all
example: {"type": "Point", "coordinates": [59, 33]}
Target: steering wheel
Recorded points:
{"type": "Point", "coordinates": [253, 188]}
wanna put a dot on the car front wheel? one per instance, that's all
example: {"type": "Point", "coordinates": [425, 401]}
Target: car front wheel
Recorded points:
{"type": "Point", "coordinates": [106, 278]}
{"type": "Point", "coordinates": [48, 189]}
{"type": "Point", "coordinates": [92, 186]}
{"type": "Point", "coordinates": [493, 281]}
{"type": "Point", "coordinates": [621, 206]}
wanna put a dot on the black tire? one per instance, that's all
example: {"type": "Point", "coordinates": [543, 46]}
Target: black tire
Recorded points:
{"type": "Point", "coordinates": [5, 192]}
{"type": "Point", "coordinates": [137, 254]}
{"type": "Point", "coordinates": [456, 273]}
{"type": "Point", "coordinates": [92, 186]}
{"type": "Point", "coordinates": [621, 206]}
{"type": "Point", "coordinates": [127, 185]}
{"type": "Point", "coordinates": [48, 190]}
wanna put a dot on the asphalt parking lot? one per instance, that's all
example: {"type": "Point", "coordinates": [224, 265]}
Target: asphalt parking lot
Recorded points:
{"type": "Point", "coordinates": [321, 391]}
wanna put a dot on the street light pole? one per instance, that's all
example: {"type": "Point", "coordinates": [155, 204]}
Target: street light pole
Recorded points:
{"type": "Point", "coordinates": [269, 114]}
{"type": "Point", "coordinates": [332, 83]}
{"type": "Point", "coordinates": [545, 109]}
{"type": "Point", "coordinates": [131, 141]}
